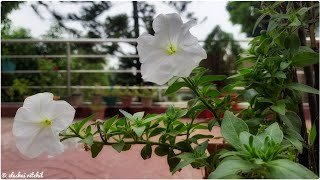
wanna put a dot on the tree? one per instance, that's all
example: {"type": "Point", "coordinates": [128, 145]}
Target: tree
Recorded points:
{"type": "Point", "coordinates": [222, 51]}
{"type": "Point", "coordinates": [245, 14]}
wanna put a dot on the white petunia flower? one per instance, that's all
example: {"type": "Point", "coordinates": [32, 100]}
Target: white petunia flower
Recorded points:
{"type": "Point", "coordinates": [172, 51]}
{"type": "Point", "coordinates": [38, 123]}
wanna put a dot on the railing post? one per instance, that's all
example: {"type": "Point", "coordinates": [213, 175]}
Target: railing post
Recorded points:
{"type": "Point", "coordinates": [68, 69]}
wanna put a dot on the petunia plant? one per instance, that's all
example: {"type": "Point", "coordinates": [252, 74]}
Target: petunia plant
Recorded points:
{"type": "Point", "coordinates": [262, 141]}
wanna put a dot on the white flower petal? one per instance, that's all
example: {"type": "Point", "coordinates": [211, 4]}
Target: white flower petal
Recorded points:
{"type": "Point", "coordinates": [168, 25]}
{"type": "Point", "coordinates": [43, 141]}
{"type": "Point", "coordinates": [27, 115]}
{"type": "Point", "coordinates": [25, 129]}
{"type": "Point", "coordinates": [61, 113]}
{"type": "Point", "coordinates": [38, 101]}
{"type": "Point", "coordinates": [146, 48]}
{"type": "Point", "coordinates": [159, 77]}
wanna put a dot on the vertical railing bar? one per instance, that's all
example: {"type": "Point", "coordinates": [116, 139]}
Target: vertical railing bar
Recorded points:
{"type": "Point", "coordinates": [68, 69]}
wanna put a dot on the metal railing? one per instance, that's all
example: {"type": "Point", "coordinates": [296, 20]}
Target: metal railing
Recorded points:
{"type": "Point", "coordinates": [68, 57]}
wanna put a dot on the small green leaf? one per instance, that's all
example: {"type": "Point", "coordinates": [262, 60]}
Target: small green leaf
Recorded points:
{"type": "Point", "coordinates": [201, 148]}
{"type": "Point", "coordinates": [284, 65]}
{"type": "Point", "coordinates": [161, 150]}
{"type": "Point", "coordinates": [175, 87]}
{"type": "Point", "coordinates": [127, 115]}
{"type": "Point", "coordinates": [172, 160]}
{"type": "Point", "coordinates": [138, 115]}
{"type": "Point", "coordinates": [88, 140]}
{"type": "Point", "coordinates": [303, 88]}
{"type": "Point", "coordinates": [231, 127]}
{"type": "Point", "coordinates": [80, 124]}
{"type": "Point", "coordinates": [303, 59]}
{"type": "Point", "coordinates": [108, 123]}
{"type": "Point", "coordinates": [156, 131]}
{"type": "Point", "coordinates": [280, 107]}
{"type": "Point", "coordinates": [295, 142]}
{"type": "Point", "coordinates": [303, 10]}
{"type": "Point", "coordinates": [138, 130]}
{"type": "Point", "coordinates": [312, 134]}
{"type": "Point", "coordinates": [258, 21]}
{"type": "Point", "coordinates": [286, 169]}
{"type": "Point", "coordinates": [292, 120]}
{"type": "Point", "coordinates": [126, 147]}
{"type": "Point", "coordinates": [152, 118]}
{"type": "Point", "coordinates": [230, 168]}
{"type": "Point", "coordinates": [292, 42]}
{"type": "Point", "coordinates": [274, 132]}
{"type": "Point", "coordinates": [295, 22]}
{"type": "Point", "coordinates": [210, 78]}
{"type": "Point", "coordinates": [280, 74]}
{"type": "Point", "coordinates": [212, 123]}
{"type": "Point", "coordinates": [95, 149]}
{"type": "Point", "coordinates": [213, 93]}
{"type": "Point", "coordinates": [181, 165]}
{"type": "Point", "coordinates": [146, 152]}
{"type": "Point", "coordinates": [119, 146]}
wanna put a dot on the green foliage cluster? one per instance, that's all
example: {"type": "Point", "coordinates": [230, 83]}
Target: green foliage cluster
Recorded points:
{"type": "Point", "coordinates": [264, 139]}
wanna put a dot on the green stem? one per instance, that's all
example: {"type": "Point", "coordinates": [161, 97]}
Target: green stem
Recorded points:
{"type": "Point", "coordinates": [189, 128]}
{"type": "Point", "coordinates": [194, 88]}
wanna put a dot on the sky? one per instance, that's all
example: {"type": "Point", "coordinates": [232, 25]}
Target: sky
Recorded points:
{"type": "Point", "coordinates": [214, 11]}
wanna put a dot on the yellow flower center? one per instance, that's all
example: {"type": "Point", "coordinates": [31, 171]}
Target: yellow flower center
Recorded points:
{"type": "Point", "coordinates": [171, 49]}
{"type": "Point", "coordinates": [46, 122]}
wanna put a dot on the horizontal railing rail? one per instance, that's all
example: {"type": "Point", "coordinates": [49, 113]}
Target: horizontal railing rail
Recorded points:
{"type": "Point", "coordinates": [68, 57]}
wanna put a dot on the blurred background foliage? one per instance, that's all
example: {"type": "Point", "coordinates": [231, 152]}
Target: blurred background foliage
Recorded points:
{"type": "Point", "coordinates": [221, 47]}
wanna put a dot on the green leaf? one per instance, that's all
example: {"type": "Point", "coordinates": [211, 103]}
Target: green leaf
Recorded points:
{"type": "Point", "coordinates": [119, 146]}
{"type": "Point", "coordinates": [258, 21]}
{"type": "Point", "coordinates": [161, 150]}
{"type": "Point", "coordinates": [138, 130]}
{"type": "Point", "coordinates": [303, 88]}
{"type": "Point", "coordinates": [295, 22]}
{"type": "Point", "coordinates": [80, 124]}
{"type": "Point", "coordinates": [292, 120]}
{"type": "Point", "coordinates": [152, 118]}
{"type": "Point", "coordinates": [175, 87]}
{"type": "Point", "coordinates": [172, 160]}
{"type": "Point", "coordinates": [201, 148]}
{"type": "Point", "coordinates": [107, 124]}
{"type": "Point", "coordinates": [156, 131]}
{"type": "Point", "coordinates": [213, 93]}
{"type": "Point", "coordinates": [280, 74]}
{"type": "Point", "coordinates": [231, 168]}
{"type": "Point", "coordinates": [284, 65]}
{"type": "Point", "coordinates": [181, 165]}
{"type": "Point", "coordinates": [244, 137]}
{"type": "Point", "coordinates": [286, 169]}
{"type": "Point", "coordinates": [88, 140]}
{"type": "Point", "coordinates": [295, 142]}
{"type": "Point", "coordinates": [210, 78]}
{"type": "Point", "coordinates": [280, 107]}
{"type": "Point", "coordinates": [196, 137]}
{"type": "Point", "coordinates": [95, 149]}
{"type": "Point", "coordinates": [127, 115]}
{"type": "Point", "coordinates": [230, 87]}
{"type": "Point", "coordinates": [303, 10]}
{"type": "Point", "coordinates": [231, 127]}
{"type": "Point", "coordinates": [292, 42]}
{"type": "Point", "coordinates": [138, 115]}
{"type": "Point", "coordinates": [303, 59]}
{"type": "Point", "coordinates": [212, 123]}
{"type": "Point", "coordinates": [146, 152]}
{"type": "Point", "coordinates": [126, 147]}
{"type": "Point", "coordinates": [274, 132]}
{"type": "Point", "coordinates": [312, 134]}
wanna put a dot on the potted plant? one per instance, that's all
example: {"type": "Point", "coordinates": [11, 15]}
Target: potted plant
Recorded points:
{"type": "Point", "coordinates": [97, 105]}
{"type": "Point", "coordinates": [111, 97]}
{"type": "Point", "coordinates": [19, 88]}
{"type": "Point", "coordinates": [146, 96]}
{"type": "Point", "coordinates": [8, 65]}
{"type": "Point", "coordinates": [126, 97]}
{"type": "Point", "coordinates": [76, 98]}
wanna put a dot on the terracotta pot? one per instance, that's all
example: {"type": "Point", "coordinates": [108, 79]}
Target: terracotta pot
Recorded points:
{"type": "Point", "coordinates": [76, 99]}
{"type": "Point", "coordinates": [146, 102]}
{"type": "Point", "coordinates": [96, 99]}
{"type": "Point", "coordinates": [99, 109]}
{"type": "Point", "coordinates": [126, 101]}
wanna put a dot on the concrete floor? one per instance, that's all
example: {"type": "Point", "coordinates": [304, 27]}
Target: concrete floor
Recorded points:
{"type": "Point", "coordinates": [78, 163]}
